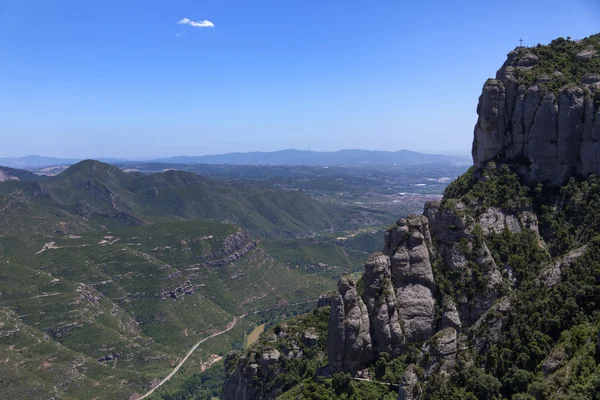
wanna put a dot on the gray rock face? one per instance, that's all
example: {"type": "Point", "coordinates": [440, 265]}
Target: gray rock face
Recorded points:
{"type": "Point", "coordinates": [267, 359]}
{"type": "Point", "coordinates": [587, 54]}
{"type": "Point", "coordinates": [5, 177]}
{"type": "Point", "coordinates": [325, 299]}
{"type": "Point", "coordinates": [408, 245]}
{"type": "Point", "coordinates": [408, 388]}
{"type": "Point", "coordinates": [449, 227]}
{"type": "Point", "coordinates": [241, 375]}
{"type": "Point", "coordinates": [450, 317]}
{"type": "Point", "coordinates": [548, 138]}
{"type": "Point", "coordinates": [310, 338]}
{"type": "Point", "coordinates": [440, 352]}
{"type": "Point", "coordinates": [380, 298]}
{"type": "Point", "coordinates": [553, 362]}
{"type": "Point", "coordinates": [348, 337]}
{"type": "Point", "coordinates": [239, 384]}
{"type": "Point", "coordinates": [552, 274]}
{"type": "Point", "coordinates": [397, 306]}
{"type": "Point", "coordinates": [491, 322]}
{"type": "Point", "coordinates": [494, 220]}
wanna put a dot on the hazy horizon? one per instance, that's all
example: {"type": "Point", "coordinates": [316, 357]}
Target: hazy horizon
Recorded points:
{"type": "Point", "coordinates": [159, 157]}
{"type": "Point", "coordinates": [154, 80]}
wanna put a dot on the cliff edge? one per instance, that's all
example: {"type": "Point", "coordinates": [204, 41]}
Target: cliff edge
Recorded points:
{"type": "Point", "coordinates": [541, 113]}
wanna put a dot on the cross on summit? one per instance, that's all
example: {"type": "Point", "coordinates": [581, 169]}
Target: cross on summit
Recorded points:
{"type": "Point", "coordinates": [521, 42]}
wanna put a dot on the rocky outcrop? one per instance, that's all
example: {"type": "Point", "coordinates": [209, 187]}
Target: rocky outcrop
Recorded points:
{"type": "Point", "coordinates": [547, 135]}
{"type": "Point", "coordinates": [487, 330]}
{"type": "Point", "coordinates": [5, 177]}
{"type": "Point", "coordinates": [233, 248]}
{"type": "Point", "coordinates": [259, 372]}
{"type": "Point", "coordinates": [552, 274]}
{"type": "Point", "coordinates": [408, 245]}
{"type": "Point", "coordinates": [310, 338]}
{"type": "Point", "coordinates": [398, 299]}
{"type": "Point", "coordinates": [444, 281]}
{"type": "Point", "coordinates": [236, 242]}
{"type": "Point", "coordinates": [348, 339]}
{"type": "Point", "coordinates": [324, 300]}
{"type": "Point", "coordinates": [380, 299]}
{"type": "Point", "coordinates": [452, 228]}
{"type": "Point", "coordinates": [450, 316]}
{"type": "Point", "coordinates": [409, 388]}
{"type": "Point", "coordinates": [187, 288]}
{"type": "Point", "coordinates": [240, 383]}
{"type": "Point", "coordinates": [439, 353]}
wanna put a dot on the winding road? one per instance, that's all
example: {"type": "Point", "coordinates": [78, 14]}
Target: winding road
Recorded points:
{"type": "Point", "coordinates": [227, 328]}
{"type": "Point", "coordinates": [189, 353]}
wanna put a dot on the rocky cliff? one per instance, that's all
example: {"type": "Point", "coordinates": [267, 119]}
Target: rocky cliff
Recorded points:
{"type": "Point", "coordinates": [541, 113]}
{"type": "Point", "coordinates": [397, 305]}
{"type": "Point", "coordinates": [493, 292]}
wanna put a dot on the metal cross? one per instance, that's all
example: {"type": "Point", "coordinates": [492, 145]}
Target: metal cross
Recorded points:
{"type": "Point", "coordinates": [521, 42]}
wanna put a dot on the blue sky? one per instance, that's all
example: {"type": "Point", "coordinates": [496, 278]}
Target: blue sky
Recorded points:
{"type": "Point", "coordinates": [124, 79]}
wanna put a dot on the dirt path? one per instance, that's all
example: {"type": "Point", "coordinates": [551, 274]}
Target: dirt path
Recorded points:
{"type": "Point", "coordinates": [189, 353]}
{"type": "Point", "coordinates": [48, 246]}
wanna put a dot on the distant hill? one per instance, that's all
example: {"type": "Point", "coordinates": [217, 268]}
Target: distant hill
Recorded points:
{"type": "Point", "coordinates": [92, 195]}
{"type": "Point", "coordinates": [35, 161]}
{"type": "Point", "coordinates": [305, 157]}
{"type": "Point", "coordinates": [7, 173]}
{"type": "Point", "coordinates": [282, 157]}
{"type": "Point", "coordinates": [110, 277]}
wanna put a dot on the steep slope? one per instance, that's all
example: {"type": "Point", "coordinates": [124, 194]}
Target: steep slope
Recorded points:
{"type": "Point", "coordinates": [493, 292]}
{"type": "Point", "coordinates": [7, 173]}
{"type": "Point", "coordinates": [540, 114]}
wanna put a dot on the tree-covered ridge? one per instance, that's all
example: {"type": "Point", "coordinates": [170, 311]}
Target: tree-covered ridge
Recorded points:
{"type": "Point", "coordinates": [91, 195]}
{"type": "Point", "coordinates": [562, 62]}
{"type": "Point", "coordinates": [548, 343]}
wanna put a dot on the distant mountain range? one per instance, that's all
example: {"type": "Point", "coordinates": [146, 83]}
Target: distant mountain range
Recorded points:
{"type": "Point", "coordinates": [35, 161]}
{"type": "Point", "coordinates": [306, 157]}
{"type": "Point", "coordinates": [282, 157]}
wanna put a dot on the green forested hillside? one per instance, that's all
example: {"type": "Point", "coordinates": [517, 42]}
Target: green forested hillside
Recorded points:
{"type": "Point", "coordinates": [114, 310]}
{"type": "Point", "coordinates": [108, 278]}
{"type": "Point", "coordinates": [91, 195]}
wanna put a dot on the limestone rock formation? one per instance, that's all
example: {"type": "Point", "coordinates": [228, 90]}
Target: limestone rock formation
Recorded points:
{"type": "Point", "coordinates": [450, 316]}
{"type": "Point", "coordinates": [439, 353]}
{"type": "Point", "coordinates": [240, 382]}
{"type": "Point", "coordinates": [380, 299]}
{"type": "Point", "coordinates": [408, 245]}
{"type": "Point", "coordinates": [5, 177]}
{"type": "Point", "coordinates": [408, 388]}
{"type": "Point", "coordinates": [452, 230]}
{"type": "Point", "coordinates": [348, 340]}
{"type": "Point", "coordinates": [552, 274]}
{"type": "Point", "coordinates": [549, 135]}
{"type": "Point", "coordinates": [487, 330]}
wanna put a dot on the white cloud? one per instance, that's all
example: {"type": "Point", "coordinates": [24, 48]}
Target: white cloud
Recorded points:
{"type": "Point", "coordinates": [200, 24]}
